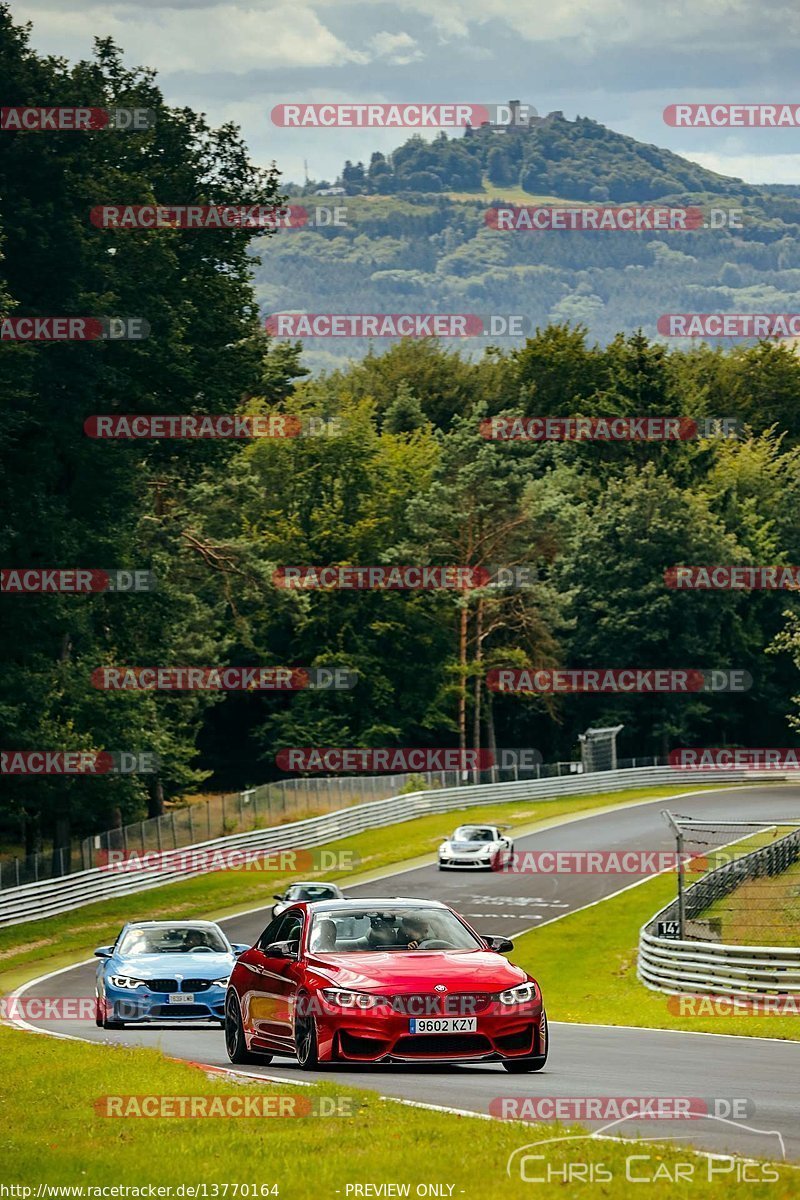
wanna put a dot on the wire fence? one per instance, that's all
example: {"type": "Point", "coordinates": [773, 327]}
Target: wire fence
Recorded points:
{"type": "Point", "coordinates": [262, 807]}
{"type": "Point", "coordinates": [751, 900]}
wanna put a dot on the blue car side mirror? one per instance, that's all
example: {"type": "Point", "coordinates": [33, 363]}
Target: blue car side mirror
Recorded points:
{"type": "Point", "coordinates": [239, 948]}
{"type": "Point", "coordinates": [103, 952]}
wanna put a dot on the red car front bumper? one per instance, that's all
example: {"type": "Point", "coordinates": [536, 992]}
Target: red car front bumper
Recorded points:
{"type": "Point", "coordinates": [384, 1035]}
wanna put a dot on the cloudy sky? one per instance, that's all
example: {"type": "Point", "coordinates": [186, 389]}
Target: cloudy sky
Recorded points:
{"type": "Point", "coordinates": [618, 61]}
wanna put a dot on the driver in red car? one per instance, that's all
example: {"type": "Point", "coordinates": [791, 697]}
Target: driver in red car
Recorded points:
{"type": "Point", "coordinates": [413, 931]}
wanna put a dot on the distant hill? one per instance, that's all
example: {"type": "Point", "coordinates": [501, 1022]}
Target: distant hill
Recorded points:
{"type": "Point", "coordinates": [417, 238]}
{"type": "Point", "coordinates": [578, 160]}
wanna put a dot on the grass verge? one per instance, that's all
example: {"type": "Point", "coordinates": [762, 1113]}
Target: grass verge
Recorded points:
{"type": "Point", "coordinates": [46, 945]}
{"type": "Point", "coordinates": [761, 912]}
{"type": "Point", "coordinates": [55, 1135]}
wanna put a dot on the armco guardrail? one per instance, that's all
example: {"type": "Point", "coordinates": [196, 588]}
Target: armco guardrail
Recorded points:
{"type": "Point", "coordinates": [52, 896]}
{"type": "Point", "coordinates": [261, 807]}
{"type": "Point", "coordinates": [717, 968]}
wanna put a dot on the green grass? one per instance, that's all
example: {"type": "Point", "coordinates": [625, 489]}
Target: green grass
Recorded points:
{"type": "Point", "coordinates": [586, 965]}
{"type": "Point", "coordinates": [761, 912]}
{"type": "Point", "coordinates": [53, 1134]}
{"type": "Point", "coordinates": [45, 945]}
{"type": "Point", "coordinates": [511, 193]}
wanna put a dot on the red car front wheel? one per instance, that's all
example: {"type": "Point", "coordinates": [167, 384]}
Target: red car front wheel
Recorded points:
{"type": "Point", "coordinates": [306, 1040]}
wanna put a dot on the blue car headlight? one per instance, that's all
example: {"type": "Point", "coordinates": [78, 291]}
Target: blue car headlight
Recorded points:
{"type": "Point", "coordinates": [128, 982]}
{"type": "Point", "coordinates": [221, 982]}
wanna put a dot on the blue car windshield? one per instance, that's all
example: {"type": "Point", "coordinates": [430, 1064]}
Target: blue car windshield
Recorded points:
{"type": "Point", "coordinates": [175, 939]}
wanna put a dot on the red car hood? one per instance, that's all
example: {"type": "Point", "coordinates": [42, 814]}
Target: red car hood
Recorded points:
{"type": "Point", "coordinates": [400, 972]}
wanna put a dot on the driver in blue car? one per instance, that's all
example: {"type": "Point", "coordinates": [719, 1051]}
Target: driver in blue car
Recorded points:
{"type": "Point", "coordinates": [194, 938]}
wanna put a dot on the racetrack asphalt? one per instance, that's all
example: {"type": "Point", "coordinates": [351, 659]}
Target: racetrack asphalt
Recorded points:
{"type": "Point", "coordinates": [585, 1060]}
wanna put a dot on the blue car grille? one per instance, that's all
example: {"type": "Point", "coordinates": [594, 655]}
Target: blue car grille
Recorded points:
{"type": "Point", "coordinates": [183, 985]}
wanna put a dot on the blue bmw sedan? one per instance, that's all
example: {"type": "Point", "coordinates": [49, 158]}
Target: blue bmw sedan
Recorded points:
{"type": "Point", "coordinates": [164, 971]}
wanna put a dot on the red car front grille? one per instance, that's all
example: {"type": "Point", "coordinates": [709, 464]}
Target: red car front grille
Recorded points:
{"type": "Point", "coordinates": [445, 1004]}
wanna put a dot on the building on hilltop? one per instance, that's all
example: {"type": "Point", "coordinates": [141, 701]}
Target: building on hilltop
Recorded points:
{"type": "Point", "coordinates": [518, 121]}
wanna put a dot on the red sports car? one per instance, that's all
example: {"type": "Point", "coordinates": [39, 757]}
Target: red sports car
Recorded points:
{"type": "Point", "coordinates": [382, 981]}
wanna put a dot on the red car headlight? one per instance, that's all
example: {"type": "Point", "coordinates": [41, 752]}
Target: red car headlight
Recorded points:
{"type": "Point", "coordinates": [342, 998]}
{"type": "Point", "coordinates": [523, 993]}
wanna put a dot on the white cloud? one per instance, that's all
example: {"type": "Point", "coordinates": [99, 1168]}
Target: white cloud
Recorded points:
{"type": "Point", "coordinates": [594, 25]}
{"type": "Point", "coordinates": [222, 37]}
{"type": "Point", "coordinates": [752, 168]}
{"type": "Point", "coordinates": [397, 48]}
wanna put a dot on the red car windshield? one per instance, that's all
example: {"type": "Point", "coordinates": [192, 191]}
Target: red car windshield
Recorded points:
{"type": "Point", "coordinates": [386, 928]}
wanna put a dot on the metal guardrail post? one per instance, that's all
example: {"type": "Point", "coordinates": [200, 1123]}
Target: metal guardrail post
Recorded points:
{"type": "Point", "coordinates": [679, 846]}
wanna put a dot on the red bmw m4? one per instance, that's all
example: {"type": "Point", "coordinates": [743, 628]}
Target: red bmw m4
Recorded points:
{"type": "Point", "coordinates": [382, 981]}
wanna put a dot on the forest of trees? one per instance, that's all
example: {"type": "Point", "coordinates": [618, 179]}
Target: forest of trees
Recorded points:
{"type": "Point", "coordinates": [424, 253]}
{"type": "Point", "coordinates": [405, 478]}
